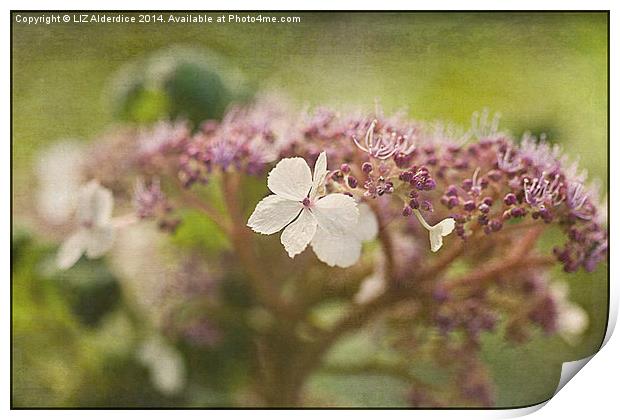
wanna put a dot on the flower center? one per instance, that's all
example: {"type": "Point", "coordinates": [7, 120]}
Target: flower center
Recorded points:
{"type": "Point", "coordinates": [306, 202]}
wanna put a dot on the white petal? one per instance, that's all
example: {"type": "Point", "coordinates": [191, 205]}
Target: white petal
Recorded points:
{"type": "Point", "coordinates": [437, 232]}
{"type": "Point", "coordinates": [291, 178]}
{"type": "Point", "coordinates": [336, 250]}
{"type": "Point", "coordinates": [272, 213]}
{"type": "Point", "coordinates": [436, 240]}
{"type": "Point", "coordinates": [95, 204]}
{"type": "Point", "coordinates": [100, 241]}
{"type": "Point", "coordinates": [573, 319]}
{"type": "Point", "coordinates": [336, 213]}
{"type": "Point", "coordinates": [165, 363]}
{"type": "Point", "coordinates": [367, 225]}
{"type": "Point", "coordinates": [320, 172]}
{"type": "Point", "coordinates": [370, 288]}
{"type": "Point", "coordinates": [298, 234]}
{"type": "Point", "coordinates": [59, 172]}
{"type": "Point", "coordinates": [72, 249]}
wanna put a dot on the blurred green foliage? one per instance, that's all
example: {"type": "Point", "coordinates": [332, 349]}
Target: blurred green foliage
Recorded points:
{"type": "Point", "coordinates": [73, 335]}
{"type": "Point", "coordinates": [177, 82]}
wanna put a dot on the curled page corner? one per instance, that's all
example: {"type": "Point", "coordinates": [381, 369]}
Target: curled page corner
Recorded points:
{"type": "Point", "coordinates": [570, 369]}
{"type": "Point", "coordinates": [519, 412]}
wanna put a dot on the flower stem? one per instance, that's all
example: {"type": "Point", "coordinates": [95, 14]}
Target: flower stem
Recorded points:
{"type": "Point", "coordinates": [242, 242]}
{"type": "Point", "coordinates": [421, 219]}
{"type": "Point", "coordinates": [194, 201]}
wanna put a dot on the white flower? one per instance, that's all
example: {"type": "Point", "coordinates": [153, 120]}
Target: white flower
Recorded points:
{"type": "Point", "coordinates": [58, 171]}
{"type": "Point", "coordinates": [165, 364]}
{"type": "Point", "coordinates": [298, 207]}
{"type": "Point", "coordinates": [344, 249]}
{"type": "Point", "coordinates": [572, 318]}
{"type": "Point", "coordinates": [95, 233]}
{"type": "Point", "coordinates": [371, 287]}
{"type": "Point", "coordinates": [438, 231]}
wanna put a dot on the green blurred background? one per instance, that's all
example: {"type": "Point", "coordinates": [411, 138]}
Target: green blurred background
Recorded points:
{"type": "Point", "coordinates": [544, 72]}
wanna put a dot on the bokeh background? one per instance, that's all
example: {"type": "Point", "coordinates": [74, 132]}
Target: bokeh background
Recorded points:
{"type": "Point", "coordinates": [544, 72]}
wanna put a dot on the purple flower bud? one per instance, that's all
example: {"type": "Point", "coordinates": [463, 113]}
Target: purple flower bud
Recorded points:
{"type": "Point", "coordinates": [427, 206]}
{"type": "Point", "coordinates": [407, 211]}
{"type": "Point", "coordinates": [406, 176]}
{"type": "Point", "coordinates": [488, 201]}
{"type": "Point", "coordinates": [337, 176]}
{"type": "Point", "coordinates": [414, 203]}
{"type": "Point", "coordinates": [496, 225]}
{"type": "Point", "coordinates": [429, 184]}
{"type": "Point", "coordinates": [402, 160]}
{"type": "Point", "coordinates": [484, 208]}
{"type": "Point", "coordinates": [452, 190]}
{"type": "Point", "coordinates": [469, 206]}
{"type": "Point", "coordinates": [367, 167]}
{"type": "Point", "coordinates": [149, 200]}
{"type": "Point", "coordinates": [449, 201]}
{"type": "Point", "coordinates": [352, 181]}
{"type": "Point", "coordinates": [510, 199]}
{"type": "Point", "coordinates": [546, 215]}
{"type": "Point", "coordinates": [517, 212]}
{"type": "Point", "coordinates": [467, 184]}
{"type": "Point", "coordinates": [345, 168]}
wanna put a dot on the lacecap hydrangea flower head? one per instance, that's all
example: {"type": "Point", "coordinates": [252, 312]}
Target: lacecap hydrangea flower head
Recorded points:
{"type": "Point", "coordinates": [373, 210]}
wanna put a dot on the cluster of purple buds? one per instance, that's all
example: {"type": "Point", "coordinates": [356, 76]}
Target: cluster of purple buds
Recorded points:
{"type": "Point", "coordinates": [586, 246]}
{"type": "Point", "coordinates": [149, 200]}
{"type": "Point", "coordinates": [321, 125]}
{"type": "Point", "coordinates": [379, 184]}
{"type": "Point", "coordinates": [345, 177]}
{"type": "Point", "coordinates": [472, 316]}
{"type": "Point", "coordinates": [419, 178]}
{"type": "Point", "coordinates": [163, 139]}
{"type": "Point", "coordinates": [485, 185]}
{"type": "Point", "coordinates": [245, 140]}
